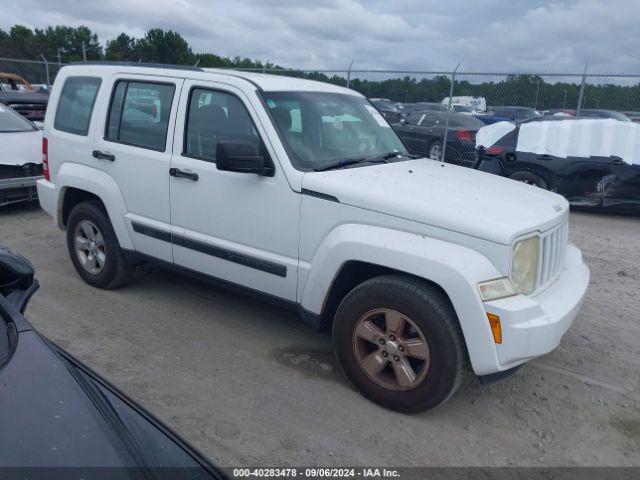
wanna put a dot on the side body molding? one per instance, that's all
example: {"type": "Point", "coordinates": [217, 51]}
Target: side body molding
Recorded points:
{"type": "Point", "coordinates": [74, 175]}
{"type": "Point", "coordinates": [456, 269]}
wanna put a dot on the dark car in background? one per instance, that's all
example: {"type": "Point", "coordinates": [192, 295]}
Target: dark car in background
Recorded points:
{"type": "Point", "coordinates": [20, 96]}
{"type": "Point", "coordinates": [423, 133]}
{"type": "Point", "coordinates": [562, 112]}
{"type": "Point", "coordinates": [515, 114]}
{"type": "Point", "coordinates": [408, 108]}
{"type": "Point", "coordinates": [599, 113]}
{"type": "Point", "coordinates": [389, 110]}
{"type": "Point", "coordinates": [59, 419]}
{"type": "Point", "coordinates": [592, 181]}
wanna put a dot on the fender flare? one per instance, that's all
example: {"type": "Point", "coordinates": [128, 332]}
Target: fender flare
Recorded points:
{"type": "Point", "coordinates": [456, 269]}
{"type": "Point", "coordinates": [101, 184]}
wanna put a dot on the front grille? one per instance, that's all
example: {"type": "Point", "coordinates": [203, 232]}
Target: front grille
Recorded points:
{"type": "Point", "coordinates": [553, 247]}
{"type": "Point", "coordinates": [32, 111]}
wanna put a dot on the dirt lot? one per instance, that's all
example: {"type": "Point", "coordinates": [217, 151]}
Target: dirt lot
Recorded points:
{"type": "Point", "coordinates": [248, 385]}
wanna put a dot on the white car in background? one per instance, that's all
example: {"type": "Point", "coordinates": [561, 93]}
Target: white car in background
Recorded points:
{"type": "Point", "coordinates": [466, 104]}
{"type": "Point", "coordinates": [20, 157]}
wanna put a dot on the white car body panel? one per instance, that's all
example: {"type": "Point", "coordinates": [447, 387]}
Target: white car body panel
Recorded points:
{"type": "Point", "coordinates": [20, 148]}
{"type": "Point", "coordinates": [443, 195]}
{"type": "Point", "coordinates": [255, 216]}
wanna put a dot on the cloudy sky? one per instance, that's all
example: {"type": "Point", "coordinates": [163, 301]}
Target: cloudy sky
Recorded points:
{"type": "Point", "coordinates": [496, 35]}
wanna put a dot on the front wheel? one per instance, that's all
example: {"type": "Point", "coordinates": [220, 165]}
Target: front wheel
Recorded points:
{"type": "Point", "coordinates": [398, 341]}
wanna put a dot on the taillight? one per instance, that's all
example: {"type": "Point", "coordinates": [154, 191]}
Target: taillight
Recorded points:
{"type": "Point", "coordinates": [466, 135]}
{"type": "Point", "coordinates": [493, 150]}
{"type": "Point", "coordinates": [45, 158]}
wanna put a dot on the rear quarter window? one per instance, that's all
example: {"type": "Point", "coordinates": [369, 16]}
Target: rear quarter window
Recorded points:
{"type": "Point", "coordinates": [75, 106]}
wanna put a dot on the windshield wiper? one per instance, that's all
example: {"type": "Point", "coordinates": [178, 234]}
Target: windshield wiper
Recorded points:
{"type": "Point", "coordinates": [348, 162]}
{"type": "Point", "coordinates": [395, 153]}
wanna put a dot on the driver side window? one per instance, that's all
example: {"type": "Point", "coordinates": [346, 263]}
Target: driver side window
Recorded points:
{"type": "Point", "coordinates": [214, 116]}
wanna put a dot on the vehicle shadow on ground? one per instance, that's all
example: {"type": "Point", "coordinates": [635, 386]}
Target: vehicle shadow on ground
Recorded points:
{"type": "Point", "coordinates": [308, 353]}
{"type": "Point", "coordinates": [20, 208]}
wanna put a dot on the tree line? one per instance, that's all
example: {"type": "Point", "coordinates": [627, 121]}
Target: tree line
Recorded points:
{"type": "Point", "coordinates": [71, 44]}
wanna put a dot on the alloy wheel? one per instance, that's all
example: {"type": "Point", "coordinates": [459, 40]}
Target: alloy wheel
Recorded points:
{"type": "Point", "coordinates": [391, 349]}
{"type": "Point", "coordinates": [89, 247]}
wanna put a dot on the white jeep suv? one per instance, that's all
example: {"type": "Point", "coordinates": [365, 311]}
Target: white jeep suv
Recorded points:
{"type": "Point", "coordinates": [301, 191]}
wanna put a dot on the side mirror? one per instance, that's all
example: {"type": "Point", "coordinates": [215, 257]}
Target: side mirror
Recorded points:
{"type": "Point", "coordinates": [17, 282]}
{"type": "Point", "coordinates": [241, 157]}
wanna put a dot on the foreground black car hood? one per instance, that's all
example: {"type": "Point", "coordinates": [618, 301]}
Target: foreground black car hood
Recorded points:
{"type": "Point", "coordinates": [54, 413]}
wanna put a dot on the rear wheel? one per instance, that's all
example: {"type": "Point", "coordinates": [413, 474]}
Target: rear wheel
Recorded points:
{"type": "Point", "coordinates": [530, 179]}
{"type": "Point", "coordinates": [435, 150]}
{"type": "Point", "coordinates": [94, 249]}
{"type": "Point", "coordinates": [397, 340]}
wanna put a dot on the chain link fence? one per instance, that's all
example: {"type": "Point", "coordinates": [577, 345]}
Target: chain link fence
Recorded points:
{"type": "Point", "coordinates": [34, 71]}
{"type": "Point", "coordinates": [481, 94]}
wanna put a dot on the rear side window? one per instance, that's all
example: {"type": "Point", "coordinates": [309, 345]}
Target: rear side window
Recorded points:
{"type": "Point", "coordinates": [139, 114]}
{"type": "Point", "coordinates": [216, 116]}
{"type": "Point", "coordinates": [75, 105]}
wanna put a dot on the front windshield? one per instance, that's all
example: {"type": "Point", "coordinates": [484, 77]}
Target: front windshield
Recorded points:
{"type": "Point", "coordinates": [11, 121]}
{"type": "Point", "coordinates": [320, 129]}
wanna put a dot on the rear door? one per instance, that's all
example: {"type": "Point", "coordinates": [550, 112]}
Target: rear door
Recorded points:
{"type": "Point", "coordinates": [135, 149]}
{"type": "Point", "coordinates": [419, 132]}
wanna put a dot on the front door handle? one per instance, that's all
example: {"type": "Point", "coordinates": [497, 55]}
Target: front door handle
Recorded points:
{"type": "Point", "coordinates": [104, 155]}
{"type": "Point", "coordinates": [176, 172]}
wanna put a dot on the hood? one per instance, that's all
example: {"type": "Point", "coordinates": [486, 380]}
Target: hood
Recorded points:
{"type": "Point", "coordinates": [445, 196]}
{"type": "Point", "coordinates": [21, 148]}
{"type": "Point", "coordinates": [56, 414]}
{"type": "Point", "coordinates": [18, 96]}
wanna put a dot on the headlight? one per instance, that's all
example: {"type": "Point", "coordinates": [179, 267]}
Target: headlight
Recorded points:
{"type": "Point", "coordinates": [495, 289]}
{"type": "Point", "coordinates": [524, 264]}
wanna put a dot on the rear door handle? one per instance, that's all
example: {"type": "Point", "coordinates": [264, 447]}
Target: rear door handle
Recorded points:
{"type": "Point", "coordinates": [176, 172]}
{"type": "Point", "coordinates": [544, 157]}
{"type": "Point", "coordinates": [104, 155]}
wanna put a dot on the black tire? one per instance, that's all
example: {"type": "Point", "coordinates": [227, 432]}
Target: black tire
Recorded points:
{"type": "Point", "coordinates": [435, 150]}
{"type": "Point", "coordinates": [530, 179]}
{"type": "Point", "coordinates": [116, 271]}
{"type": "Point", "coordinates": [434, 315]}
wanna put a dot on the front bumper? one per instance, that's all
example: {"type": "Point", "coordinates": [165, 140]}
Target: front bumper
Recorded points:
{"type": "Point", "coordinates": [18, 189]}
{"type": "Point", "coordinates": [534, 326]}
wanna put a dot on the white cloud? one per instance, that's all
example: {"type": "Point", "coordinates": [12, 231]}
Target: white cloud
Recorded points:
{"type": "Point", "coordinates": [498, 35]}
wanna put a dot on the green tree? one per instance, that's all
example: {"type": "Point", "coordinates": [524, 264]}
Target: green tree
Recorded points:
{"type": "Point", "coordinates": [161, 46]}
{"type": "Point", "coordinates": [20, 43]}
{"type": "Point", "coordinates": [121, 48]}
{"type": "Point", "coordinates": [68, 41]}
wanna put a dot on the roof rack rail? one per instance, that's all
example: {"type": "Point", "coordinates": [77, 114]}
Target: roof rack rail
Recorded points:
{"type": "Point", "coordinates": [139, 64]}
{"type": "Point", "coordinates": [164, 65]}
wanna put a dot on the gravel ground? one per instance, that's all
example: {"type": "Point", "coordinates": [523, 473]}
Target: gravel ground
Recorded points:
{"type": "Point", "coordinates": [249, 385]}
